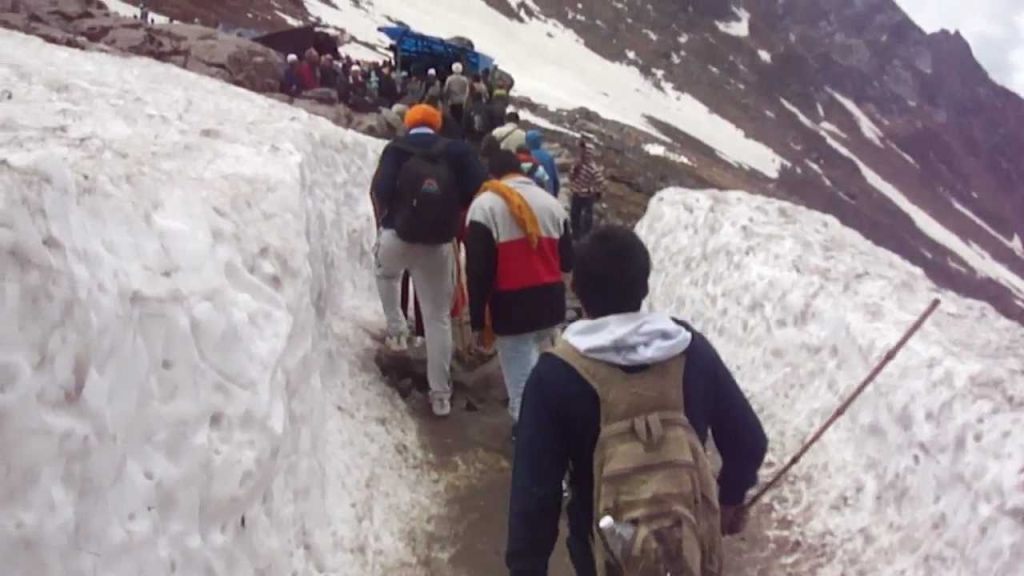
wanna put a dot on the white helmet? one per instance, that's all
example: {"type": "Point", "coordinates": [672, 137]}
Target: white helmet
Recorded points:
{"type": "Point", "coordinates": [457, 68]}
{"type": "Point", "coordinates": [292, 58]}
{"type": "Point", "coordinates": [431, 72]}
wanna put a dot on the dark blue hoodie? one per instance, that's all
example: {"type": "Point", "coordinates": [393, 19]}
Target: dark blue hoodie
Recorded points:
{"type": "Point", "coordinates": [535, 140]}
{"type": "Point", "coordinates": [560, 423]}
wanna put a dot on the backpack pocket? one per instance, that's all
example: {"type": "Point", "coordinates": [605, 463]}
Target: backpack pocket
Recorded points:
{"type": "Point", "coordinates": [649, 474]}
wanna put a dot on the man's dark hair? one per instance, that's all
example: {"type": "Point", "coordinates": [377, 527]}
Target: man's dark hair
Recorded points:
{"type": "Point", "coordinates": [502, 163]}
{"type": "Point", "coordinates": [512, 117]}
{"type": "Point", "coordinates": [612, 271]}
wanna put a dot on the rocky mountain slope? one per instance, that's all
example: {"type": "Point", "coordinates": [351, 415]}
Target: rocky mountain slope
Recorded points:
{"type": "Point", "coordinates": [845, 107]}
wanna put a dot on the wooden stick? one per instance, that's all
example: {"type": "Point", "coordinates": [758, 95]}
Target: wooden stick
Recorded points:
{"type": "Point", "coordinates": [846, 404]}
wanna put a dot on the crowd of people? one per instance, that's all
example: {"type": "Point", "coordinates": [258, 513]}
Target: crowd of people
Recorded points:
{"type": "Point", "coordinates": [473, 104]}
{"type": "Point", "coordinates": [612, 413]}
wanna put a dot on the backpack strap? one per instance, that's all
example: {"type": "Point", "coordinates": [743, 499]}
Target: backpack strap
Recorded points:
{"type": "Point", "coordinates": [601, 375]}
{"type": "Point", "coordinates": [433, 152]}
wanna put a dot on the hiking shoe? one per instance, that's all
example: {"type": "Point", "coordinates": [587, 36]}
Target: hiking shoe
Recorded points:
{"type": "Point", "coordinates": [397, 343]}
{"type": "Point", "coordinates": [441, 406]}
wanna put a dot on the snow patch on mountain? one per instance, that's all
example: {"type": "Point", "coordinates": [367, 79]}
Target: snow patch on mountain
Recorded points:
{"type": "Point", "coordinates": [740, 27]}
{"type": "Point", "coordinates": [765, 56]}
{"type": "Point", "coordinates": [922, 475]}
{"type": "Point", "coordinates": [967, 212]}
{"type": "Point", "coordinates": [663, 152]}
{"type": "Point", "coordinates": [132, 11]}
{"type": "Point", "coordinates": [980, 260]}
{"type": "Point", "coordinates": [574, 77]}
{"type": "Point", "coordinates": [867, 126]}
{"type": "Point", "coordinates": [184, 384]}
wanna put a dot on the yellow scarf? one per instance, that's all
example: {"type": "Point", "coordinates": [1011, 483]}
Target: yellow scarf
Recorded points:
{"type": "Point", "coordinates": [524, 217]}
{"type": "Point", "coordinates": [517, 205]}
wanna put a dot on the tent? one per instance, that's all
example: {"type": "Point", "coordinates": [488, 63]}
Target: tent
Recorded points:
{"type": "Point", "coordinates": [415, 49]}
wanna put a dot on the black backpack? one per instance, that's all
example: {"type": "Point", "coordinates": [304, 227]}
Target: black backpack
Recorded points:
{"type": "Point", "coordinates": [427, 208]}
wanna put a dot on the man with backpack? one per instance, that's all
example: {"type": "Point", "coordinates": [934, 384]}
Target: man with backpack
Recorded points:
{"type": "Point", "coordinates": [535, 141]}
{"type": "Point", "coordinates": [518, 245]}
{"type": "Point", "coordinates": [532, 168]}
{"type": "Point", "coordinates": [624, 403]}
{"type": "Point", "coordinates": [422, 186]}
{"type": "Point", "coordinates": [508, 136]}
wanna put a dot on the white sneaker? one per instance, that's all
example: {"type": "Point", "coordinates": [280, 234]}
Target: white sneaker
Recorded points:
{"type": "Point", "coordinates": [441, 405]}
{"type": "Point", "coordinates": [397, 343]}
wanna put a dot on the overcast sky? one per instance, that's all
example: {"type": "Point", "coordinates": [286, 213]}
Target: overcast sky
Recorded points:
{"type": "Point", "coordinates": [994, 28]}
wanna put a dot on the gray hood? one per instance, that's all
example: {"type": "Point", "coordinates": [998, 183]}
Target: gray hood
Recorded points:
{"type": "Point", "coordinates": [634, 339]}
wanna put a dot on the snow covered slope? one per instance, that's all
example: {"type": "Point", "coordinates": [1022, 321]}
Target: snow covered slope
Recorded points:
{"type": "Point", "coordinates": [184, 388]}
{"type": "Point", "coordinates": [923, 475]}
{"type": "Point", "coordinates": [553, 67]}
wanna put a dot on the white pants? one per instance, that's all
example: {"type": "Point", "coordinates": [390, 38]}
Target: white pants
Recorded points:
{"type": "Point", "coordinates": [518, 355]}
{"type": "Point", "coordinates": [432, 271]}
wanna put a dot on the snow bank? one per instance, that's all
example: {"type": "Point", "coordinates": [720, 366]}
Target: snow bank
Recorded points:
{"type": "Point", "coordinates": [922, 476]}
{"type": "Point", "coordinates": [554, 68]}
{"type": "Point", "coordinates": [183, 386]}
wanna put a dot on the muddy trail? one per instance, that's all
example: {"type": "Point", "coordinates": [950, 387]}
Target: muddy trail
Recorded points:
{"type": "Point", "coordinates": [471, 452]}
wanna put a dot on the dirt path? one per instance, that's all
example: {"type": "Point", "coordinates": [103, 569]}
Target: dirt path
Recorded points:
{"type": "Point", "coordinates": [472, 450]}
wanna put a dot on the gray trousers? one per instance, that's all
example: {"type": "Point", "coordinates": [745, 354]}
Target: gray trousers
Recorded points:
{"type": "Point", "coordinates": [433, 277]}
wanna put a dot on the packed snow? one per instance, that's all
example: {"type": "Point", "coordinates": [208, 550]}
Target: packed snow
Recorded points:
{"type": "Point", "coordinates": [980, 261]}
{"type": "Point", "coordinates": [867, 126]}
{"type": "Point", "coordinates": [739, 27]}
{"type": "Point", "coordinates": [765, 56]}
{"type": "Point", "coordinates": [557, 70]}
{"type": "Point", "coordinates": [185, 386]}
{"type": "Point", "coordinates": [922, 475]}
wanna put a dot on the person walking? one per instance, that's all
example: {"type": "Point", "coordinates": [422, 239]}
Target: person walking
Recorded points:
{"type": "Point", "coordinates": [533, 169]}
{"type": "Point", "coordinates": [587, 183]}
{"type": "Point", "coordinates": [456, 93]}
{"type": "Point", "coordinates": [422, 186]}
{"type": "Point", "coordinates": [535, 141]}
{"type": "Point", "coordinates": [518, 245]}
{"type": "Point", "coordinates": [509, 136]}
{"type": "Point", "coordinates": [651, 388]}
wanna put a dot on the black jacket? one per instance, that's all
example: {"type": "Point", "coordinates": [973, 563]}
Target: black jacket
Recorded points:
{"type": "Point", "coordinates": [466, 168]}
{"type": "Point", "coordinates": [558, 429]}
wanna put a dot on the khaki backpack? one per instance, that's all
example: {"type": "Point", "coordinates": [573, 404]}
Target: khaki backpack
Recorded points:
{"type": "Point", "coordinates": [651, 473]}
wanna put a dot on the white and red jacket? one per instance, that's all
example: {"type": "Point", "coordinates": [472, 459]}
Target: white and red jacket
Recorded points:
{"type": "Point", "coordinates": [521, 284]}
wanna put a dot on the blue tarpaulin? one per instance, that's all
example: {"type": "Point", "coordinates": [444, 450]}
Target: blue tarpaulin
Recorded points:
{"type": "Point", "coordinates": [435, 52]}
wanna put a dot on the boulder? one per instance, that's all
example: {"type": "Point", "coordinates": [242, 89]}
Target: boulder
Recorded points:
{"type": "Point", "coordinates": [89, 24]}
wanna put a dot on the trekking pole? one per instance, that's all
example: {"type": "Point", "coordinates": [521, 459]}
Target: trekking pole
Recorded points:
{"type": "Point", "coordinates": [846, 404]}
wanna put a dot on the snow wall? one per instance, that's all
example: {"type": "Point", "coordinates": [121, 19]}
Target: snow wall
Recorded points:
{"type": "Point", "coordinates": [924, 474]}
{"type": "Point", "coordinates": [184, 386]}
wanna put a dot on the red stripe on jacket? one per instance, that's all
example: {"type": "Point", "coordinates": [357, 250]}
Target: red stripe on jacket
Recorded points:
{"type": "Point", "coordinates": [522, 266]}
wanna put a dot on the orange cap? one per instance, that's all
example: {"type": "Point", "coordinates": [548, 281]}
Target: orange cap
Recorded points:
{"type": "Point", "coordinates": [424, 116]}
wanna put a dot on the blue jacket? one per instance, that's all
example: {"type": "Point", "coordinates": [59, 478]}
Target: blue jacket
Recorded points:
{"type": "Point", "coordinates": [558, 430]}
{"type": "Point", "coordinates": [467, 170]}
{"type": "Point", "coordinates": [535, 140]}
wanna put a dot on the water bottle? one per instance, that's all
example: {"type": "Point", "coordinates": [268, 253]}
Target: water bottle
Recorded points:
{"type": "Point", "coordinates": [618, 536]}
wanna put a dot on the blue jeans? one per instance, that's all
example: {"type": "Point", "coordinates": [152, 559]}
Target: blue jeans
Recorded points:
{"type": "Point", "coordinates": [518, 355]}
